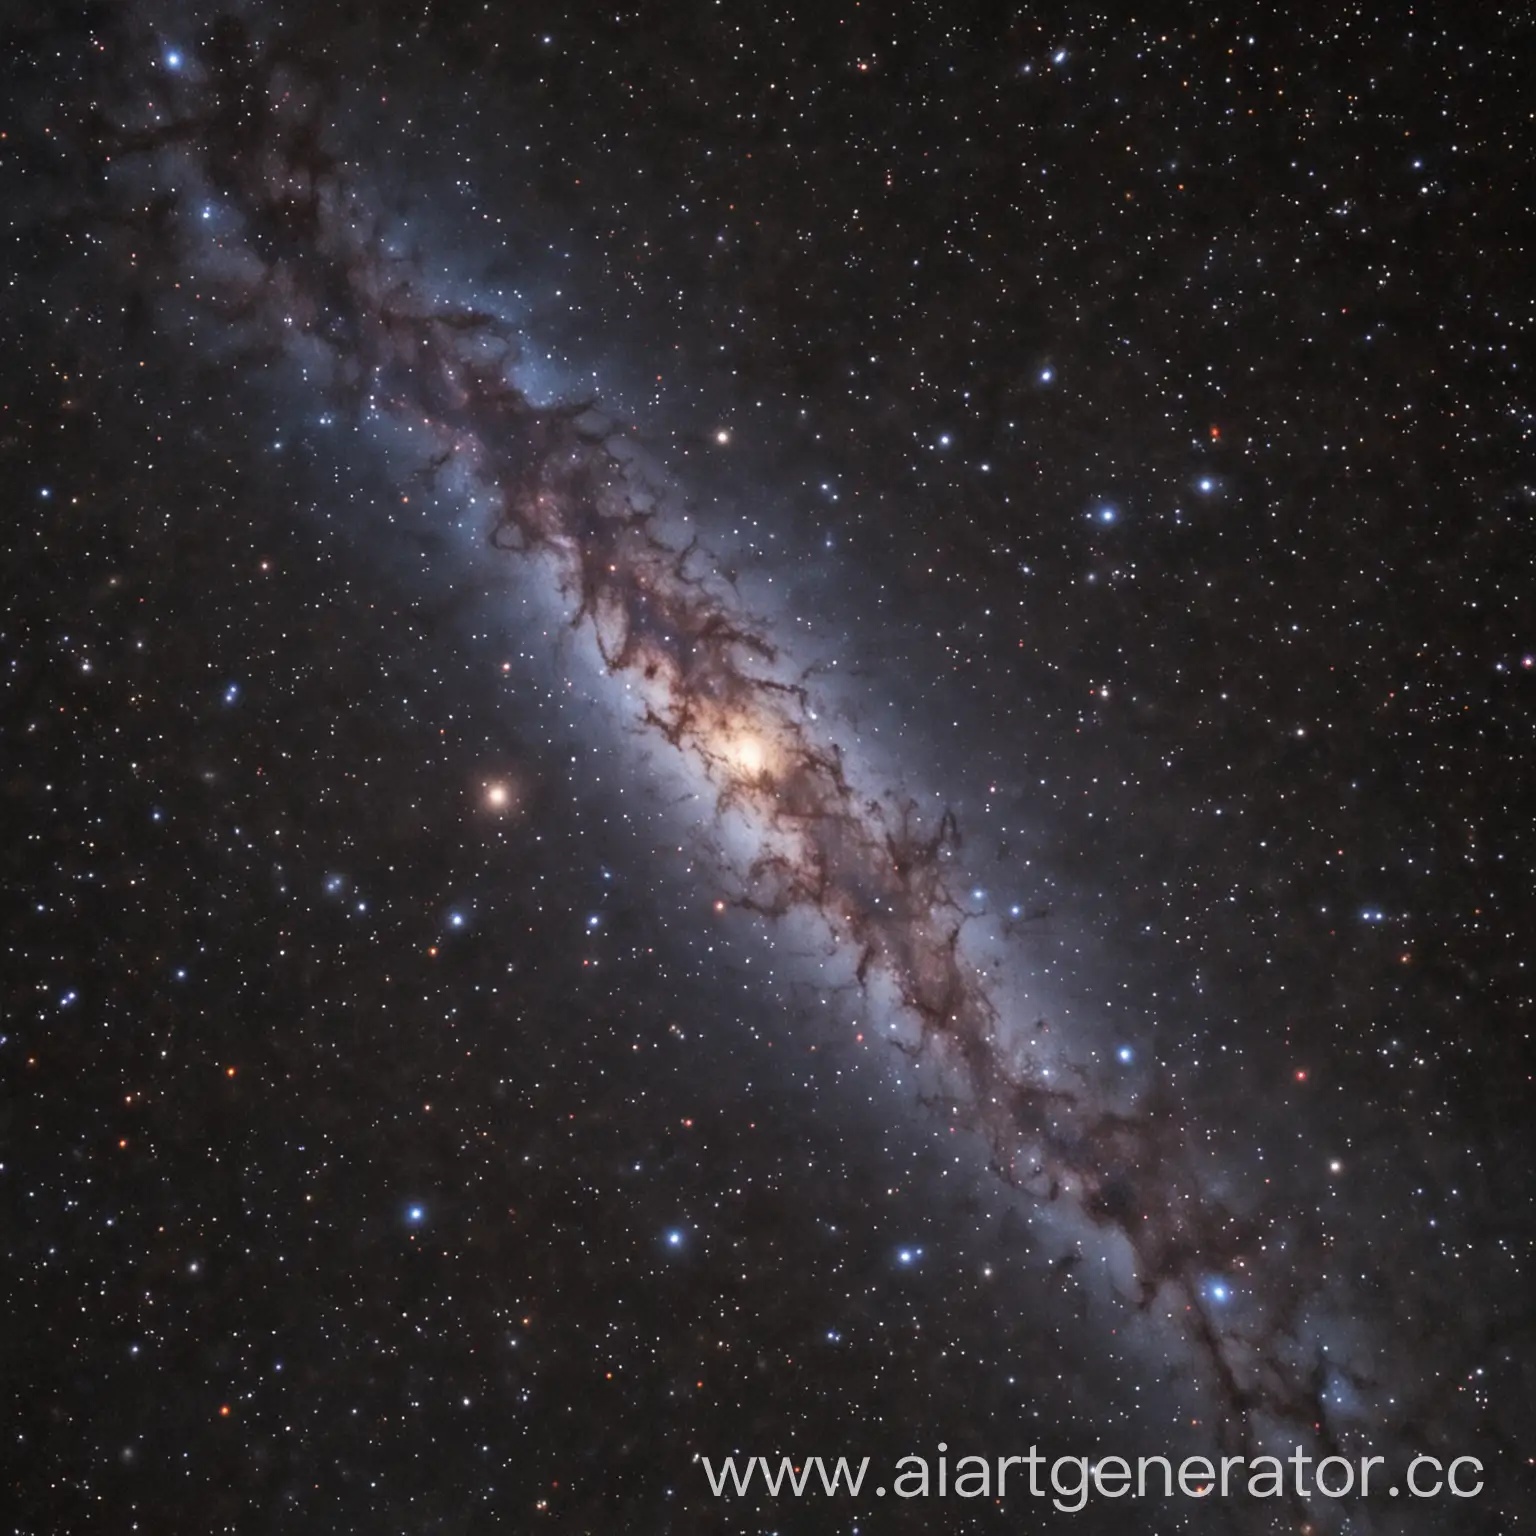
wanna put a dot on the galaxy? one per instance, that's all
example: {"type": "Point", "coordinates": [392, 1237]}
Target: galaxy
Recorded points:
{"type": "Point", "coordinates": [735, 740]}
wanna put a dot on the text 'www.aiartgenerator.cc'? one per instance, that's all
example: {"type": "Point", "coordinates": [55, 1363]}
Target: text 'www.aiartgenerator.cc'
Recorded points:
{"type": "Point", "coordinates": [1069, 1481]}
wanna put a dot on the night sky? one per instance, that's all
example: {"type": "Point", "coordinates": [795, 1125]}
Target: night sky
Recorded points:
{"type": "Point", "coordinates": [744, 733]}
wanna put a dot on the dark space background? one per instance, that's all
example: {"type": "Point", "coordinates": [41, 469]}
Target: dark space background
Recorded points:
{"type": "Point", "coordinates": [1136, 409]}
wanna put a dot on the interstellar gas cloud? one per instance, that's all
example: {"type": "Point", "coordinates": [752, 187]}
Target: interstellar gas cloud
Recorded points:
{"type": "Point", "coordinates": [231, 175]}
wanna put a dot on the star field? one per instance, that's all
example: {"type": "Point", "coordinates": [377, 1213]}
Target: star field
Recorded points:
{"type": "Point", "coordinates": [732, 733]}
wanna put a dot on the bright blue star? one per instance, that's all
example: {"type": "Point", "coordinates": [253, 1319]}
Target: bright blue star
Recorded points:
{"type": "Point", "coordinates": [674, 1238]}
{"type": "Point", "coordinates": [173, 60]}
{"type": "Point", "coordinates": [1125, 1053]}
{"type": "Point", "coordinates": [1107, 514]}
{"type": "Point", "coordinates": [415, 1214]}
{"type": "Point", "coordinates": [1047, 374]}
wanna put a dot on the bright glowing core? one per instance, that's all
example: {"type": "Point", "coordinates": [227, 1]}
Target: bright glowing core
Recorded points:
{"type": "Point", "coordinates": [748, 754]}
